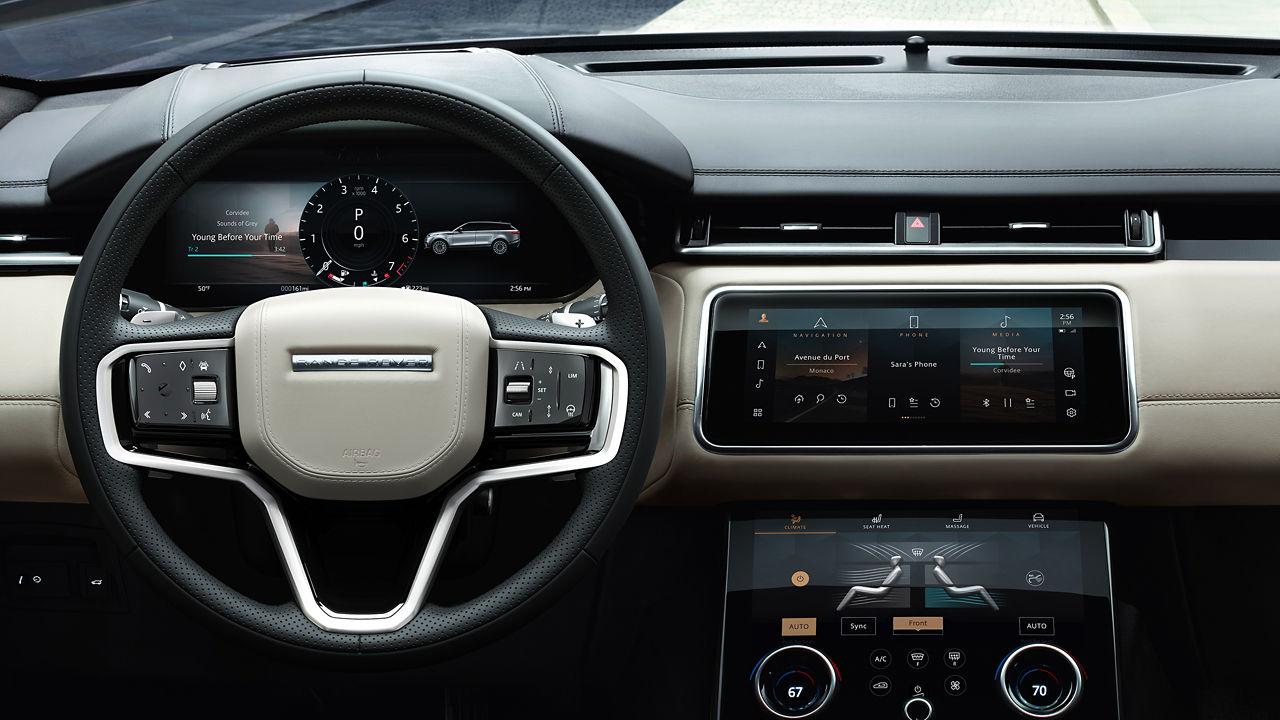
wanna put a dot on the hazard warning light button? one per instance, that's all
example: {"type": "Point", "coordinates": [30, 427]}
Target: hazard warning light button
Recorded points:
{"type": "Point", "coordinates": [916, 228]}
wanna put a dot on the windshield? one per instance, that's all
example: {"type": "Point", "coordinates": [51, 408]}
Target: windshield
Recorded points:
{"type": "Point", "coordinates": [51, 39]}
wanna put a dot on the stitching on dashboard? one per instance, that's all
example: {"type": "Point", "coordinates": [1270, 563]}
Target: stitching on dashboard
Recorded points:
{"type": "Point", "coordinates": [167, 131]}
{"type": "Point", "coordinates": [800, 172]}
{"type": "Point", "coordinates": [557, 114]}
{"type": "Point", "coordinates": [1225, 401]}
{"type": "Point", "coordinates": [23, 183]}
{"type": "Point", "coordinates": [1251, 395]}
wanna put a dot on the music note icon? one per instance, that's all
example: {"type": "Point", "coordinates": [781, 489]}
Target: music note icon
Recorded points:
{"type": "Point", "coordinates": [759, 383]}
{"type": "Point", "coordinates": [1005, 323]}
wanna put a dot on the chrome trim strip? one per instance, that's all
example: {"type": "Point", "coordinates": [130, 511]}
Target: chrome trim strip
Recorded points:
{"type": "Point", "coordinates": [383, 362]}
{"type": "Point", "coordinates": [606, 438]}
{"type": "Point", "coordinates": [827, 249]}
{"type": "Point", "coordinates": [38, 259]}
{"type": "Point", "coordinates": [1111, 607]}
{"type": "Point", "coordinates": [724, 617]}
{"type": "Point", "coordinates": [1126, 340]}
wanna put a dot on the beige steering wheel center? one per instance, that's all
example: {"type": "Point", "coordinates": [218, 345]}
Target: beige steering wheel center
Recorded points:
{"type": "Point", "coordinates": [362, 393]}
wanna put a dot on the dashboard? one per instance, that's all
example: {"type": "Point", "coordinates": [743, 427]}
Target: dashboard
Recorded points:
{"type": "Point", "coordinates": [334, 212]}
{"type": "Point", "coordinates": [904, 433]}
{"type": "Point", "coordinates": [791, 172]}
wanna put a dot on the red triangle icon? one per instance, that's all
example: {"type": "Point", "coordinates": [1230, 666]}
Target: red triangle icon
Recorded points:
{"type": "Point", "coordinates": [916, 223]}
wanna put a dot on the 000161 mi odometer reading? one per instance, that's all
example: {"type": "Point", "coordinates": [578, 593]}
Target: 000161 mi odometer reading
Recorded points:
{"type": "Point", "coordinates": [358, 230]}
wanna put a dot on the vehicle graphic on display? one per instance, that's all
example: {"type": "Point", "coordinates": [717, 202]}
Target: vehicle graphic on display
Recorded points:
{"type": "Point", "coordinates": [498, 237]}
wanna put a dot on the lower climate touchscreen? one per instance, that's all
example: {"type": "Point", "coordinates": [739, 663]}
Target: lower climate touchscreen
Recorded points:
{"type": "Point", "coordinates": [996, 615]}
{"type": "Point", "coordinates": [859, 368]}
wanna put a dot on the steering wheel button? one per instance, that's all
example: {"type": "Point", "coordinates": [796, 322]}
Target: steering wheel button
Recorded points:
{"type": "Point", "coordinates": [204, 391]}
{"type": "Point", "coordinates": [519, 391]}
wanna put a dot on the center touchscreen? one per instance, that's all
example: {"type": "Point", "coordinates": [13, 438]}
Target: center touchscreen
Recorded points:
{"type": "Point", "coordinates": [858, 368]}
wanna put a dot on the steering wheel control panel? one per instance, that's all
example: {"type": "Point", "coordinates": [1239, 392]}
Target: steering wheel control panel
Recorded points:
{"type": "Point", "coordinates": [187, 389]}
{"type": "Point", "coordinates": [922, 616]}
{"type": "Point", "coordinates": [540, 391]}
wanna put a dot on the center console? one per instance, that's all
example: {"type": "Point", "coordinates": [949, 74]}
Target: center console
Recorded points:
{"type": "Point", "coordinates": [915, 368]}
{"type": "Point", "coordinates": [927, 616]}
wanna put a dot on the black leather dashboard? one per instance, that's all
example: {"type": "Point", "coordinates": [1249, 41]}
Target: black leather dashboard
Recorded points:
{"type": "Point", "coordinates": [871, 132]}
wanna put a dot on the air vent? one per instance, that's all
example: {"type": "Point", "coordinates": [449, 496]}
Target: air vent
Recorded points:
{"type": "Point", "coordinates": [731, 63]}
{"type": "Point", "coordinates": [752, 227]}
{"type": "Point", "coordinates": [1102, 64]}
{"type": "Point", "coordinates": [1037, 227]}
{"type": "Point", "coordinates": [1073, 229]}
{"type": "Point", "coordinates": [19, 251]}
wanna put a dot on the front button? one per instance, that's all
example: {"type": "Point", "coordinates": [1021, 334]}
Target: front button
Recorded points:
{"type": "Point", "coordinates": [917, 709]}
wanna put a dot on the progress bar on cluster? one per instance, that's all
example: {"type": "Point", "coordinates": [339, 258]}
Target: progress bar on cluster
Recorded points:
{"type": "Point", "coordinates": [1004, 364]}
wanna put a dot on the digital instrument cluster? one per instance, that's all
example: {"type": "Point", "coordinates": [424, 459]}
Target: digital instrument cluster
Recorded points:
{"type": "Point", "coordinates": [275, 221]}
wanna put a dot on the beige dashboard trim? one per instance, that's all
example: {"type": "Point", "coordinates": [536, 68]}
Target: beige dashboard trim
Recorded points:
{"type": "Point", "coordinates": [35, 462]}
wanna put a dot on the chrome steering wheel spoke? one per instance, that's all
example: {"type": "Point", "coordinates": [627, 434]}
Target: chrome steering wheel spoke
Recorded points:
{"type": "Point", "coordinates": [600, 433]}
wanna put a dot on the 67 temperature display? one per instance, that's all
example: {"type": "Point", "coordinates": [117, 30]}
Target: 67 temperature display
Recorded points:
{"type": "Point", "coordinates": [358, 230]}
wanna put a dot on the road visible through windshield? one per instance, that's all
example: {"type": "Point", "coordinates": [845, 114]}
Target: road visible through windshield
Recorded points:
{"type": "Point", "coordinates": [66, 38]}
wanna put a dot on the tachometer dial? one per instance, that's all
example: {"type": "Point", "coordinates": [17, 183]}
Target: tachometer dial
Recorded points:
{"type": "Point", "coordinates": [358, 230]}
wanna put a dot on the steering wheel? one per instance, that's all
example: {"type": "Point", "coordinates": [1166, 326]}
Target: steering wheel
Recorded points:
{"type": "Point", "coordinates": [405, 402]}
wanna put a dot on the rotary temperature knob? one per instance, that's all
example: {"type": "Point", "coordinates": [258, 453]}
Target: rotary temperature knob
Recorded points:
{"type": "Point", "coordinates": [1041, 681]}
{"type": "Point", "coordinates": [795, 681]}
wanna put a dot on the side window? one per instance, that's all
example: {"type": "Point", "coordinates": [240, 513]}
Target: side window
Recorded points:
{"type": "Point", "coordinates": [468, 227]}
